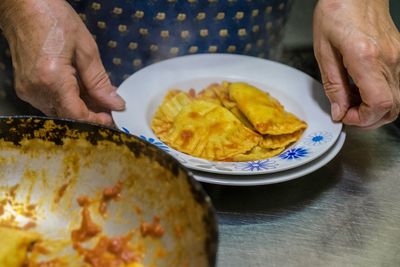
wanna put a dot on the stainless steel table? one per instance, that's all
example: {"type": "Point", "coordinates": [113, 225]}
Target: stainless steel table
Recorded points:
{"type": "Point", "coordinates": [345, 214]}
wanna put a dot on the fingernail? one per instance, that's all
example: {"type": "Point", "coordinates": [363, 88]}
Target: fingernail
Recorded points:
{"type": "Point", "coordinates": [120, 103]}
{"type": "Point", "coordinates": [335, 111]}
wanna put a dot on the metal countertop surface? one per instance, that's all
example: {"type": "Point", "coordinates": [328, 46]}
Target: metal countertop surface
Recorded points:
{"type": "Point", "coordinates": [347, 213]}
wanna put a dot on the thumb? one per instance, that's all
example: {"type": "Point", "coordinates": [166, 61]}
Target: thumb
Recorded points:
{"type": "Point", "coordinates": [95, 79]}
{"type": "Point", "coordinates": [334, 79]}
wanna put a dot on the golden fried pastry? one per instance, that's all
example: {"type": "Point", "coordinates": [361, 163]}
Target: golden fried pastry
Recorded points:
{"type": "Point", "coordinates": [264, 112]}
{"type": "Point", "coordinates": [208, 94]}
{"type": "Point", "coordinates": [278, 141]}
{"type": "Point", "coordinates": [207, 130]}
{"type": "Point", "coordinates": [172, 104]}
{"type": "Point", "coordinates": [257, 153]}
{"type": "Point", "coordinates": [222, 92]}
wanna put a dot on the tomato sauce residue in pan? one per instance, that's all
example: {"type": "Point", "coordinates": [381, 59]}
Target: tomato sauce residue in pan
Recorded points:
{"type": "Point", "coordinates": [110, 193]}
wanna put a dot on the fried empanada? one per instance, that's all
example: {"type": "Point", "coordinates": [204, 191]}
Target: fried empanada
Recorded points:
{"type": "Point", "coordinates": [264, 112]}
{"type": "Point", "coordinates": [222, 92]}
{"type": "Point", "coordinates": [207, 130]}
{"type": "Point", "coordinates": [172, 104]}
{"type": "Point", "coordinates": [208, 94]}
{"type": "Point", "coordinates": [283, 140]}
{"type": "Point", "coordinates": [257, 153]}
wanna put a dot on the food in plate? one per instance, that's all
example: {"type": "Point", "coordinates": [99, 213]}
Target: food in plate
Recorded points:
{"type": "Point", "coordinates": [228, 121]}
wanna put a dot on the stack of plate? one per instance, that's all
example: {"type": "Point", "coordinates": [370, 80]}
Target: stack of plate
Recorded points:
{"type": "Point", "coordinates": [298, 92]}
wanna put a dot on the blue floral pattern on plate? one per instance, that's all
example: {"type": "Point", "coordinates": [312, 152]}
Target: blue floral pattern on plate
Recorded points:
{"type": "Point", "coordinates": [257, 165]}
{"type": "Point", "coordinates": [295, 153]}
{"type": "Point", "coordinates": [318, 138]}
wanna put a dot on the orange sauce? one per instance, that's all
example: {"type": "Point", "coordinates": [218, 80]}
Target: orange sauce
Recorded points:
{"type": "Point", "coordinates": [88, 228]}
{"type": "Point", "coordinates": [110, 193]}
{"type": "Point", "coordinates": [153, 229]}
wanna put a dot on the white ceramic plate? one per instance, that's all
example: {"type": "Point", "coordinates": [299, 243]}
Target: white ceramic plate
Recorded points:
{"type": "Point", "coordinates": [298, 92]}
{"type": "Point", "coordinates": [272, 178]}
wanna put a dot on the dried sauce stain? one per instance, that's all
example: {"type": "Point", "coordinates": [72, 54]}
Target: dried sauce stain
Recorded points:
{"type": "Point", "coordinates": [88, 228]}
{"type": "Point", "coordinates": [153, 229]}
{"type": "Point", "coordinates": [61, 191]}
{"type": "Point", "coordinates": [110, 252]}
{"type": "Point", "coordinates": [110, 193]}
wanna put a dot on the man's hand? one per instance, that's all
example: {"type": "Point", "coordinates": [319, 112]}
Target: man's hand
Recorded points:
{"type": "Point", "coordinates": [57, 66]}
{"type": "Point", "coordinates": [358, 39]}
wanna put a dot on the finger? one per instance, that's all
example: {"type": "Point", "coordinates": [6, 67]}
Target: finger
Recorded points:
{"type": "Point", "coordinates": [70, 105]}
{"type": "Point", "coordinates": [377, 100]}
{"type": "Point", "coordinates": [334, 79]}
{"type": "Point", "coordinates": [388, 118]}
{"type": "Point", "coordinates": [94, 77]}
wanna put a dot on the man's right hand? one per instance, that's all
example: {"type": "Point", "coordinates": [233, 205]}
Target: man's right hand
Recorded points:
{"type": "Point", "coordinates": [57, 66]}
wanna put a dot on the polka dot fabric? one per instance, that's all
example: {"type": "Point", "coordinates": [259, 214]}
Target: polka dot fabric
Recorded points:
{"type": "Point", "coordinates": [134, 33]}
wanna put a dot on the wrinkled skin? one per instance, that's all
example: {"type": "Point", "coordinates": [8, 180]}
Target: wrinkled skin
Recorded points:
{"type": "Point", "coordinates": [57, 67]}
{"type": "Point", "coordinates": [358, 39]}
{"type": "Point", "coordinates": [58, 70]}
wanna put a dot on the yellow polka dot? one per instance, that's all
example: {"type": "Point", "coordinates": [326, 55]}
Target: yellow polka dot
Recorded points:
{"type": "Point", "coordinates": [125, 76]}
{"type": "Point", "coordinates": [153, 48]}
{"type": "Point", "coordinates": [201, 16]}
{"type": "Point", "coordinates": [231, 48]}
{"type": "Point", "coordinates": [82, 16]}
{"type": "Point", "coordinates": [139, 14]}
{"type": "Point", "coordinates": [281, 6]}
{"type": "Point", "coordinates": [193, 49]}
{"type": "Point", "coordinates": [164, 34]}
{"type": "Point", "coordinates": [242, 32]}
{"type": "Point", "coordinates": [133, 45]}
{"type": "Point", "coordinates": [185, 34]}
{"type": "Point", "coordinates": [160, 16]}
{"type": "Point", "coordinates": [268, 26]}
{"type": "Point", "coordinates": [260, 42]}
{"type": "Point", "coordinates": [96, 6]}
{"type": "Point", "coordinates": [212, 48]}
{"type": "Point", "coordinates": [212, 1]}
{"type": "Point", "coordinates": [171, 1]}
{"type": "Point", "coordinates": [261, 55]}
{"type": "Point", "coordinates": [181, 17]}
{"type": "Point", "coordinates": [254, 13]}
{"type": "Point", "coordinates": [192, 1]}
{"type": "Point", "coordinates": [268, 9]}
{"type": "Point", "coordinates": [255, 28]}
{"type": "Point", "coordinates": [174, 50]}
{"type": "Point", "coordinates": [122, 28]}
{"type": "Point", "coordinates": [94, 36]}
{"type": "Point", "coordinates": [137, 62]}
{"type": "Point", "coordinates": [117, 61]}
{"type": "Point", "coordinates": [101, 24]}
{"type": "Point", "coordinates": [112, 44]}
{"type": "Point", "coordinates": [2, 66]}
{"type": "Point", "coordinates": [203, 32]}
{"type": "Point", "coordinates": [143, 31]}
{"type": "Point", "coordinates": [239, 15]}
{"type": "Point", "coordinates": [117, 10]}
{"type": "Point", "coordinates": [248, 47]}
{"type": "Point", "coordinates": [220, 16]}
{"type": "Point", "coordinates": [223, 32]}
